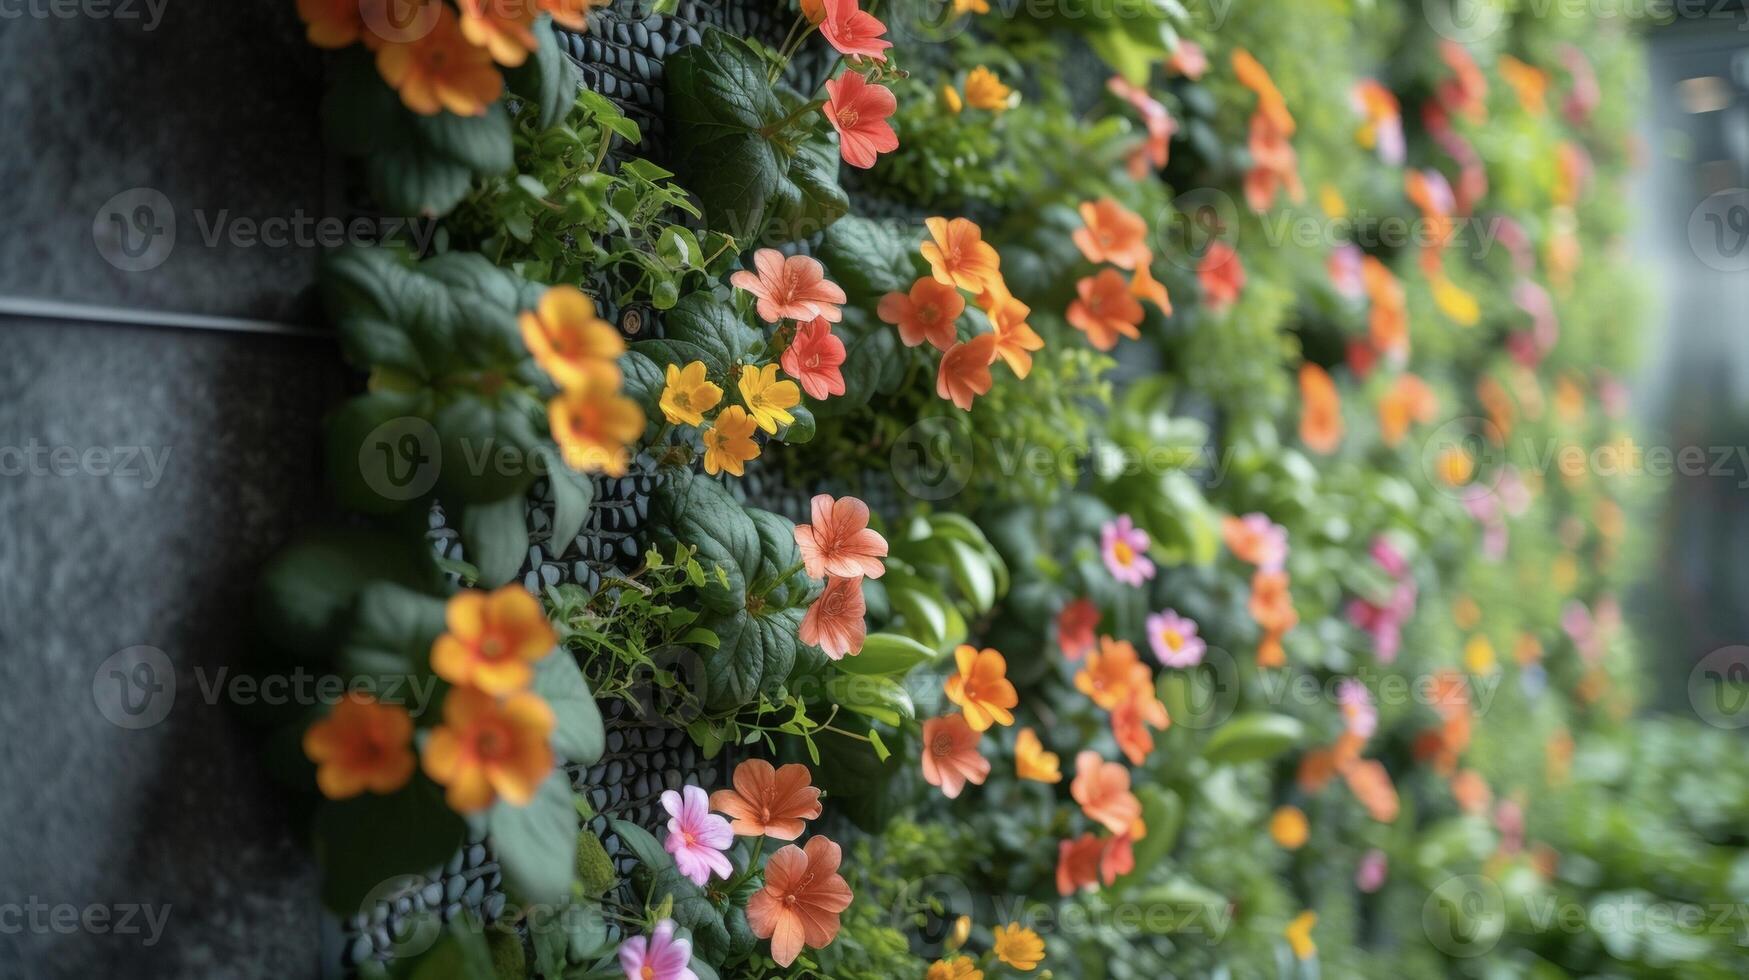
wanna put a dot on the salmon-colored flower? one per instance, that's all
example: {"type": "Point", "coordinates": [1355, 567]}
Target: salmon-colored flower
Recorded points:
{"type": "Point", "coordinates": [854, 31]}
{"type": "Point", "coordinates": [488, 749]}
{"type": "Point", "coordinates": [1018, 947]}
{"type": "Point", "coordinates": [859, 110]}
{"type": "Point", "coordinates": [803, 896]}
{"type": "Point", "coordinates": [840, 542]}
{"type": "Point", "coordinates": [1253, 76]}
{"type": "Point", "coordinates": [332, 23]}
{"type": "Point", "coordinates": [493, 639]}
{"type": "Point", "coordinates": [837, 621]}
{"type": "Point", "coordinates": [1299, 935]}
{"type": "Point", "coordinates": [927, 313]}
{"type": "Point", "coordinates": [441, 70]}
{"type": "Point", "coordinates": [1187, 60]}
{"type": "Point", "coordinates": [950, 755]}
{"type": "Point", "coordinates": [794, 288]}
{"type": "Point", "coordinates": [1471, 791]}
{"type": "Point", "coordinates": [1271, 604]}
{"type": "Point", "coordinates": [1143, 286]}
{"type": "Point", "coordinates": [361, 745]}
{"type": "Point", "coordinates": [985, 91]}
{"type": "Point", "coordinates": [1015, 338]}
{"type": "Point", "coordinates": [768, 802]}
{"type": "Point", "coordinates": [1388, 318]}
{"type": "Point", "coordinates": [593, 426]}
{"type": "Point", "coordinates": [1407, 401]}
{"type": "Point", "coordinates": [503, 27]}
{"type": "Point", "coordinates": [1112, 233]}
{"type": "Point", "coordinates": [1156, 150]}
{"type": "Point", "coordinates": [1320, 410]}
{"type": "Point", "coordinates": [767, 399]}
{"type": "Point", "coordinates": [1031, 761]}
{"type": "Point", "coordinates": [1078, 864]}
{"type": "Point", "coordinates": [688, 394]}
{"type": "Point", "coordinates": [981, 687]}
{"type": "Point", "coordinates": [1111, 673]}
{"type": "Point", "coordinates": [1103, 790]}
{"type": "Point", "coordinates": [573, 14]}
{"type": "Point", "coordinates": [1371, 785]}
{"type": "Point", "coordinates": [1105, 309]}
{"type": "Point", "coordinates": [1274, 165]}
{"type": "Point", "coordinates": [728, 442]}
{"type": "Point", "coordinates": [1256, 540]}
{"type": "Point", "coordinates": [965, 371]}
{"type": "Point", "coordinates": [1466, 92]}
{"type": "Point", "coordinates": [1221, 275]}
{"type": "Point", "coordinates": [1117, 858]}
{"type": "Point", "coordinates": [959, 256]}
{"type": "Point", "coordinates": [569, 342]}
{"type": "Point", "coordinates": [1075, 627]}
{"type": "Point", "coordinates": [1287, 827]}
{"type": "Point", "coordinates": [1132, 718]}
{"type": "Point", "coordinates": [814, 358]}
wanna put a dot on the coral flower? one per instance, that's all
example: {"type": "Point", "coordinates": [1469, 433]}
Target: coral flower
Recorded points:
{"type": "Point", "coordinates": [1118, 858]}
{"type": "Point", "coordinates": [593, 426]}
{"type": "Point", "coordinates": [803, 896]}
{"type": "Point", "coordinates": [659, 957]}
{"type": "Point", "coordinates": [1271, 604]}
{"type": "Point", "coordinates": [1221, 275]}
{"type": "Point", "coordinates": [1408, 400]}
{"type": "Point", "coordinates": [959, 256]}
{"type": "Point", "coordinates": [688, 394]}
{"type": "Point", "coordinates": [1299, 935]}
{"type": "Point", "coordinates": [950, 755]}
{"type": "Point", "coordinates": [1031, 761]}
{"type": "Point", "coordinates": [1112, 233]}
{"type": "Point", "coordinates": [1140, 710]}
{"type": "Point", "coordinates": [1253, 76]}
{"type": "Point", "coordinates": [573, 14]}
{"type": "Point", "coordinates": [1470, 791]}
{"type": "Point", "coordinates": [814, 357]}
{"type": "Point", "coordinates": [927, 313]}
{"type": "Point", "coordinates": [1111, 673]}
{"type": "Point", "coordinates": [1388, 320]}
{"type": "Point", "coordinates": [728, 443]}
{"type": "Point", "coordinates": [767, 399]}
{"type": "Point", "coordinates": [697, 837]}
{"type": "Point", "coordinates": [965, 371]}
{"type": "Point", "coordinates": [332, 23]}
{"type": "Point", "coordinates": [1371, 785]}
{"type": "Point", "coordinates": [1466, 92]}
{"type": "Point", "coordinates": [981, 688]}
{"type": "Point", "coordinates": [1528, 82]}
{"type": "Point", "coordinates": [859, 111]}
{"type": "Point", "coordinates": [494, 639]}
{"type": "Point", "coordinates": [1078, 864]}
{"type": "Point", "coordinates": [836, 622]}
{"type": "Point", "coordinates": [1105, 309]}
{"type": "Point", "coordinates": [1075, 626]}
{"type": "Point", "coordinates": [794, 288]}
{"type": "Point", "coordinates": [1256, 540]}
{"type": "Point", "coordinates": [957, 968]}
{"type": "Point", "coordinates": [854, 31]}
{"type": "Point", "coordinates": [1018, 947]}
{"type": "Point", "coordinates": [1187, 60]}
{"type": "Point", "coordinates": [1124, 546]}
{"type": "Point", "coordinates": [502, 27]}
{"type": "Point", "coordinates": [1287, 827]}
{"type": "Point", "coordinates": [1174, 639]}
{"type": "Point", "coordinates": [1015, 338]}
{"type": "Point", "coordinates": [1320, 410]}
{"type": "Point", "coordinates": [1154, 153]}
{"type": "Point", "coordinates": [361, 745]}
{"type": "Point", "coordinates": [840, 542]}
{"type": "Point", "coordinates": [441, 70]}
{"type": "Point", "coordinates": [1274, 165]}
{"type": "Point", "coordinates": [487, 749]}
{"type": "Point", "coordinates": [985, 91]}
{"type": "Point", "coordinates": [570, 342]}
{"type": "Point", "coordinates": [1143, 286]}
{"type": "Point", "coordinates": [768, 802]}
{"type": "Point", "coordinates": [1103, 790]}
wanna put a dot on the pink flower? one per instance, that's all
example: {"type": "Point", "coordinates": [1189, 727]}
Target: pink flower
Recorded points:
{"type": "Point", "coordinates": [1344, 265]}
{"type": "Point", "coordinates": [696, 837]}
{"type": "Point", "coordinates": [1188, 60]}
{"type": "Point", "coordinates": [813, 358]}
{"type": "Point", "coordinates": [1125, 549]}
{"type": "Point", "coordinates": [1369, 875]}
{"type": "Point", "coordinates": [1358, 712]}
{"type": "Point", "coordinates": [795, 288]}
{"type": "Point", "coordinates": [1256, 539]}
{"type": "Point", "coordinates": [836, 621]}
{"type": "Point", "coordinates": [859, 111]}
{"type": "Point", "coordinates": [660, 957]}
{"type": "Point", "coordinates": [1174, 639]}
{"type": "Point", "coordinates": [854, 31]}
{"type": "Point", "coordinates": [840, 542]}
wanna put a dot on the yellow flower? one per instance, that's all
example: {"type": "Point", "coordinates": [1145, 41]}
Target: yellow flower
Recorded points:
{"type": "Point", "coordinates": [1455, 303]}
{"type": "Point", "coordinates": [971, 7]}
{"type": "Point", "coordinates": [1479, 655]}
{"type": "Point", "coordinates": [1454, 466]}
{"type": "Point", "coordinates": [958, 968]}
{"type": "Point", "coordinates": [1031, 761]}
{"type": "Point", "coordinates": [570, 342]}
{"type": "Point", "coordinates": [1331, 202]}
{"type": "Point", "coordinates": [1299, 934]}
{"type": "Point", "coordinates": [729, 442]}
{"type": "Point", "coordinates": [1018, 946]}
{"type": "Point", "coordinates": [768, 399]}
{"type": "Point", "coordinates": [593, 427]}
{"type": "Point", "coordinates": [950, 97]}
{"type": "Point", "coordinates": [962, 931]}
{"type": "Point", "coordinates": [1287, 827]}
{"type": "Point", "coordinates": [689, 394]}
{"type": "Point", "coordinates": [985, 91]}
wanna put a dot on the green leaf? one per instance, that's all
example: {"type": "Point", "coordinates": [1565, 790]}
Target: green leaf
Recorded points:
{"type": "Point", "coordinates": [308, 590]}
{"type": "Point", "coordinates": [389, 643]}
{"type": "Point", "coordinates": [868, 259]}
{"type": "Point", "coordinates": [572, 494]}
{"type": "Point", "coordinates": [536, 844]}
{"type": "Point", "coordinates": [755, 656]}
{"type": "Point", "coordinates": [700, 328]}
{"type": "Point", "coordinates": [886, 654]}
{"type": "Point", "coordinates": [548, 79]}
{"type": "Point", "coordinates": [972, 573]}
{"type": "Point", "coordinates": [661, 880]}
{"type": "Point", "coordinates": [495, 539]}
{"type": "Point", "coordinates": [694, 510]}
{"type": "Point", "coordinates": [881, 698]}
{"type": "Point", "coordinates": [580, 737]}
{"type": "Point", "coordinates": [810, 199]}
{"type": "Point", "coordinates": [1163, 813]}
{"type": "Point", "coordinates": [364, 842]}
{"type": "Point", "coordinates": [1253, 737]}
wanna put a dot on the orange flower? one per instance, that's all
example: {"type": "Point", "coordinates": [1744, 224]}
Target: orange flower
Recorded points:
{"type": "Point", "coordinates": [965, 370]}
{"type": "Point", "coordinates": [1143, 286]}
{"type": "Point", "coordinates": [728, 442]}
{"type": "Point", "coordinates": [361, 745]}
{"type": "Point", "coordinates": [1274, 165]}
{"type": "Point", "coordinates": [803, 896]}
{"type": "Point", "coordinates": [837, 621]}
{"type": "Point", "coordinates": [494, 638]}
{"type": "Point", "coordinates": [1221, 275]}
{"type": "Point", "coordinates": [1075, 627]}
{"type": "Point", "coordinates": [1316, 768]}
{"type": "Point", "coordinates": [1112, 233]}
{"type": "Point", "coordinates": [1015, 338]}
{"type": "Point", "coordinates": [593, 426]}
{"type": "Point", "coordinates": [1131, 719]}
{"type": "Point", "coordinates": [1287, 827]}
{"type": "Point", "coordinates": [1253, 76]}
{"type": "Point", "coordinates": [1408, 400]}
{"type": "Point", "coordinates": [769, 802]}
{"type": "Point", "coordinates": [1320, 410]}
{"type": "Point", "coordinates": [981, 688]}
{"type": "Point", "coordinates": [1371, 785]}
{"type": "Point", "coordinates": [1269, 650]}
{"type": "Point", "coordinates": [1111, 673]}
{"type": "Point", "coordinates": [1117, 858]}
{"type": "Point", "coordinates": [1031, 761]}
{"type": "Point", "coordinates": [950, 755]}
{"type": "Point", "coordinates": [570, 342]}
{"type": "Point", "coordinates": [1272, 607]}
{"type": "Point", "coordinates": [959, 256]}
{"type": "Point", "coordinates": [1103, 790]}
{"type": "Point", "coordinates": [486, 749]}
{"type": "Point", "coordinates": [332, 23]}
{"type": "Point", "coordinates": [1388, 317]}
{"type": "Point", "coordinates": [441, 70]}
{"type": "Point", "coordinates": [501, 27]}
{"type": "Point", "coordinates": [1105, 309]}
{"type": "Point", "coordinates": [1529, 83]}
{"type": "Point", "coordinates": [1017, 946]}
{"type": "Point", "coordinates": [574, 14]}
{"type": "Point", "coordinates": [928, 313]}
{"type": "Point", "coordinates": [1471, 791]}
{"type": "Point", "coordinates": [1078, 864]}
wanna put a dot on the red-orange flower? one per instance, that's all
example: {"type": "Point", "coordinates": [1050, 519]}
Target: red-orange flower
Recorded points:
{"type": "Point", "coordinates": [1371, 785]}
{"type": "Point", "coordinates": [950, 755]}
{"type": "Point", "coordinates": [803, 896]}
{"type": "Point", "coordinates": [1111, 673]}
{"type": "Point", "coordinates": [1253, 76]}
{"type": "Point", "coordinates": [981, 687]}
{"type": "Point", "coordinates": [837, 621]}
{"type": "Point", "coordinates": [1320, 410]}
{"type": "Point", "coordinates": [965, 370]}
{"type": "Point", "coordinates": [929, 312]}
{"type": "Point", "coordinates": [494, 639]}
{"type": "Point", "coordinates": [1408, 400]}
{"type": "Point", "coordinates": [1471, 791]}
{"type": "Point", "coordinates": [1103, 790]}
{"type": "Point", "coordinates": [769, 802]}
{"type": "Point", "coordinates": [1117, 858]}
{"type": "Point", "coordinates": [1078, 863]}
{"type": "Point", "coordinates": [1388, 316]}
{"type": "Point", "coordinates": [1221, 274]}
{"type": "Point", "coordinates": [486, 749]}
{"type": "Point", "coordinates": [1274, 165]}
{"type": "Point", "coordinates": [854, 31]}
{"type": "Point", "coordinates": [1132, 718]}
{"type": "Point", "coordinates": [1112, 233]}
{"type": "Point", "coordinates": [441, 70]}
{"type": "Point", "coordinates": [1015, 338]}
{"type": "Point", "coordinates": [502, 27]}
{"type": "Point", "coordinates": [361, 745]}
{"type": "Point", "coordinates": [859, 110]}
{"type": "Point", "coordinates": [1075, 626]}
{"type": "Point", "coordinates": [959, 256]}
{"type": "Point", "coordinates": [1144, 286]}
{"type": "Point", "coordinates": [1105, 309]}
{"type": "Point", "coordinates": [814, 358]}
